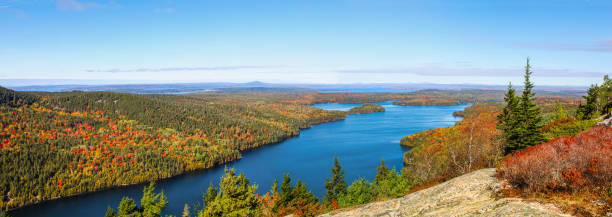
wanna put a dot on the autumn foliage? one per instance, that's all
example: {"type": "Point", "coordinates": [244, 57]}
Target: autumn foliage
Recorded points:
{"type": "Point", "coordinates": [571, 163]}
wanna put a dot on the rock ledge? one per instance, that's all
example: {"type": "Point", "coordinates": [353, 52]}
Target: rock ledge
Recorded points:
{"type": "Point", "coordinates": [467, 195]}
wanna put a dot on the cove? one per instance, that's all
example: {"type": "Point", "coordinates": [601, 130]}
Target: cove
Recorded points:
{"type": "Point", "coordinates": [359, 141]}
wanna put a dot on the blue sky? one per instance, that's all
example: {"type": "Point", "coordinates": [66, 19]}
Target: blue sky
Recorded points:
{"type": "Point", "coordinates": [327, 41]}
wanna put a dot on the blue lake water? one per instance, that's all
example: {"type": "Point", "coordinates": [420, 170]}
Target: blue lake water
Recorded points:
{"type": "Point", "coordinates": [360, 142]}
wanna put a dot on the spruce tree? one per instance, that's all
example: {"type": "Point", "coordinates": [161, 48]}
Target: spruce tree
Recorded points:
{"type": "Point", "coordinates": [521, 119]}
{"type": "Point", "coordinates": [209, 195]}
{"type": "Point", "coordinates": [110, 212]}
{"type": "Point", "coordinates": [127, 207]}
{"type": "Point", "coordinates": [605, 95]}
{"type": "Point", "coordinates": [236, 197]}
{"type": "Point", "coordinates": [383, 172]}
{"type": "Point", "coordinates": [186, 212]}
{"type": "Point", "coordinates": [529, 116]}
{"type": "Point", "coordinates": [336, 186]}
{"type": "Point", "coordinates": [589, 110]}
{"type": "Point", "coordinates": [507, 121]}
{"type": "Point", "coordinates": [286, 193]}
{"type": "Point", "coordinates": [274, 188]}
{"type": "Point", "coordinates": [152, 204]}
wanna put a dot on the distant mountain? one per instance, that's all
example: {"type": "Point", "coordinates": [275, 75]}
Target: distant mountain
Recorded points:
{"type": "Point", "coordinates": [184, 88]}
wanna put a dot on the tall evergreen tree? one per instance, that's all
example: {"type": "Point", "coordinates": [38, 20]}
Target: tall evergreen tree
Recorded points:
{"type": "Point", "coordinates": [383, 172]}
{"type": "Point", "coordinates": [209, 195]}
{"type": "Point", "coordinates": [186, 212]}
{"type": "Point", "coordinates": [152, 204]}
{"type": "Point", "coordinates": [110, 212]}
{"type": "Point", "coordinates": [286, 195]}
{"type": "Point", "coordinates": [605, 95]}
{"type": "Point", "coordinates": [128, 208]}
{"type": "Point", "coordinates": [236, 197]}
{"type": "Point", "coordinates": [336, 186]}
{"type": "Point", "coordinates": [274, 188]}
{"type": "Point", "coordinates": [529, 116]}
{"type": "Point", "coordinates": [507, 121]}
{"type": "Point", "coordinates": [521, 119]}
{"type": "Point", "coordinates": [589, 109]}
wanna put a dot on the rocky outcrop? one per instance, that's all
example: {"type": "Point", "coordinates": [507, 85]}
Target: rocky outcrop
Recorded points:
{"type": "Point", "coordinates": [605, 122]}
{"type": "Point", "coordinates": [467, 195]}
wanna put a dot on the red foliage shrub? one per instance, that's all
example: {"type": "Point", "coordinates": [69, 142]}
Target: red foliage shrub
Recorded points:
{"type": "Point", "coordinates": [567, 163]}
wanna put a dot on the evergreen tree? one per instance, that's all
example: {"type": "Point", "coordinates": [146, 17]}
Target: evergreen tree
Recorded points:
{"type": "Point", "coordinates": [209, 195]}
{"type": "Point", "coordinates": [589, 110]}
{"type": "Point", "coordinates": [383, 172]}
{"type": "Point", "coordinates": [152, 204]}
{"type": "Point", "coordinates": [286, 195]}
{"type": "Point", "coordinates": [522, 124]}
{"type": "Point", "coordinates": [302, 195]}
{"type": "Point", "coordinates": [236, 197]}
{"type": "Point", "coordinates": [186, 212]}
{"type": "Point", "coordinates": [110, 212]}
{"type": "Point", "coordinates": [274, 189]}
{"type": "Point", "coordinates": [335, 186]}
{"type": "Point", "coordinates": [605, 95]}
{"type": "Point", "coordinates": [560, 112]}
{"type": "Point", "coordinates": [127, 208]}
{"type": "Point", "coordinates": [530, 115]}
{"type": "Point", "coordinates": [359, 192]}
{"type": "Point", "coordinates": [3, 214]}
{"type": "Point", "coordinates": [507, 121]}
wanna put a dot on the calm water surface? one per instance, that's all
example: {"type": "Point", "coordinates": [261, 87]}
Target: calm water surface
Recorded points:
{"type": "Point", "coordinates": [360, 142]}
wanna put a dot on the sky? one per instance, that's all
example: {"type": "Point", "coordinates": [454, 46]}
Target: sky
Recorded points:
{"type": "Point", "coordinates": [314, 41]}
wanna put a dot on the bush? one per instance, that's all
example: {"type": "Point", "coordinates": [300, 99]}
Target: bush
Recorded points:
{"type": "Point", "coordinates": [359, 192]}
{"type": "Point", "coordinates": [572, 163]}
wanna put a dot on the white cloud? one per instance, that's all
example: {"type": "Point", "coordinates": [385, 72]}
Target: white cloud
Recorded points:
{"type": "Point", "coordinates": [74, 5]}
{"type": "Point", "coordinates": [164, 10]}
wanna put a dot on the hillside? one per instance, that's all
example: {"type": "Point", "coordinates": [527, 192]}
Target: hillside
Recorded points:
{"type": "Point", "coordinates": [467, 195]}
{"type": "Point", "coordinates": [54, 145]}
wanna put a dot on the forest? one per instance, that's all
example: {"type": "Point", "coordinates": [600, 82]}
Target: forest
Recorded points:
{"type": "Point", "coordinates": [59, 144]}
{"type": "Point", "coordinates": [54, 145]}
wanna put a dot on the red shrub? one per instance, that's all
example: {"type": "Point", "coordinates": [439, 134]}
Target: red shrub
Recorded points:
{"type": "Point", "coordinates": [570, 163]}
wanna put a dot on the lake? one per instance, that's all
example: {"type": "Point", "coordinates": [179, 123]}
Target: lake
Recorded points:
{"type": "Point", "coordinates": [360, 142]}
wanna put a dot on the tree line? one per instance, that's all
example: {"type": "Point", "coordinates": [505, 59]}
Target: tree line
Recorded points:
{"type": "Point", "coordinates": [236, 196]}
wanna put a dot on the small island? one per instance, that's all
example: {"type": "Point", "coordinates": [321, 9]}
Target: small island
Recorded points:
{"type": "Point", "coordinates": [366, 108]}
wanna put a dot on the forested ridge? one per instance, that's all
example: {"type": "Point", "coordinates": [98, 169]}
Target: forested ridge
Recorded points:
{"type": "Point", "coordinates": [59, 144]}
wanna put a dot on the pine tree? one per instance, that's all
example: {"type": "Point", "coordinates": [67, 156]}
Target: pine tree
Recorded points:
{"type": "Point", "coordinates": [127, 207]}
{"type": "Point", "coordinates": [560, 112]}
{"type": "Point", "coordinates": [605, 96]}
{"type": "Point", "coordinates": [507, 121]}
{"type": "Point", "coordinates": [152, 204]}
{"type": "Point", "coordinates": [336, 186]}
{"type": "Point", "coordinates": [236, 197]}
{"type": "Point", "coordinates": [521, 118]}
{"type": "Point", "coordinates": [286, 195]}
{"type": "Point", "coordinates": [383, 172]}
{"type": "Point", "coordinates": [274, 189]}
{"type": "Point", "coordinates": [209, 195]}
{"type": "Point", "coordinates": [186, 212]}
{"type": "Point", "coordinates": [110, 212]}
{"type": "Point", "coordinates": [529, 116]}
{"type": "Point", "coordinates": [589, 110]}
